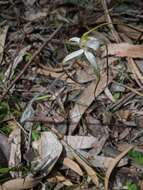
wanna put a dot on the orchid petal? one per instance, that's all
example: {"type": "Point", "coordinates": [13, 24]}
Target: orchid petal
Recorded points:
{"type": "Point", "coordinates": [75, 39]}
{"type": "Point", "coordinates": [73, 55]}
{"type": "Point", "coordinates": [93, 43]}
{"type": "Point", "coordinates": [91, 58]}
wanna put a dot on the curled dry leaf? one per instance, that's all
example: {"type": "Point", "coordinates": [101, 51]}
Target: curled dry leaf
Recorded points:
{"type": "Point", "coordinates": [73, 166]}
{"type": "Point", "coordinates": [113, 165]}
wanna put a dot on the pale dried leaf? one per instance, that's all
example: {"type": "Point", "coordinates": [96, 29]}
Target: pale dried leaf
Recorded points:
{"type": "Point", "coordinates": [72, 165]}
{"type": "Point", "coordinates": [20, 184]}
{"type": "Point", "coordinates": [101, 161]}
{"type": "Point", "coordinates": [49, 149]}
{"type": "Point", "coordinates": [126, 50]}
{"type": "Point", "coordinates": [81, 142]}
{"type": "Point", "coordinates": [3, 33]}
{"type": "Point", "coordinates": [113, 165]}
{"type": "Point", "coordinates": [15, 151]}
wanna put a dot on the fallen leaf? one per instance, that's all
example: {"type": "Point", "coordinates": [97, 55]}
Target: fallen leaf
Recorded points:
{"type": "Point", "coordinates": [101, 161]}
{"type": "Point", "coordinates": [20, 184]}
{"type": "Point", "coordinates": [126, 50]}
{"type": "Point", "coordinates": [113, 165]}
{"type": "Point", "coordinates": [49, 149]}
{"type": "Point", "coordinates": [81, 142]}
{"type": "Point", "coordinates": [73, 166]}
{"type": "Point", "coordinates": [15, 151]}
{"type": "Point", "coordinates": [3, 33]}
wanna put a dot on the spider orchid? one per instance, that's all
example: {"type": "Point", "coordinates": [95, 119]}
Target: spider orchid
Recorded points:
{"type": "Point", "coordinates": [87, 44]}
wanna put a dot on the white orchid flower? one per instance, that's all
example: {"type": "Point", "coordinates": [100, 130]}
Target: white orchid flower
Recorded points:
{"type": "Point", "coordinates": [86, 45]}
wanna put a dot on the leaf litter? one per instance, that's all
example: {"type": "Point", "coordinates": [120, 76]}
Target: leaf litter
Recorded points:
{"type": "Point", "coordinates": [71, 94]}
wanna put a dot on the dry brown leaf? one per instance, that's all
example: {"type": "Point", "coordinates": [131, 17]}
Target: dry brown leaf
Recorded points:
{"type": "Point", "coordinates": [20, 184]}
{"type": "Point", "coordinates": [73, 166]}
{"type": "Point", "coordinates": [126, 50]}
{"type": "Point", "coordinates": [85, 100]}
{"type": "Point", "coordinates": [113, 165]}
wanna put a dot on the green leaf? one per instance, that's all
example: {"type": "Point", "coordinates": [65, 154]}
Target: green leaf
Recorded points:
{"type": "Point", "coordinates": [4, 109]}
{"type": "Point", "coordinates": [35, 135]}
{"type": "Point", "coordinates": [4, 170]}
{"type": "Point", "coordinates": [132, 186]}
{"type": "Point", "coordinates": [27, 57]}
{"type": "Point", "coordinates": [136, 156]}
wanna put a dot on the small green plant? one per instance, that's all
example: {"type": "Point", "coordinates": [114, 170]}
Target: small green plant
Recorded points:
{"type": "Point", "coordinates": [132, 186]}
{"type": "Point", "coordinates": [35, 135]}
{"type": "Point", "coordinates": [136, 156]}
{"type": "Point", "coordinates": [27, 57]}
{"type": "Point", "coordinates": [4, 109]}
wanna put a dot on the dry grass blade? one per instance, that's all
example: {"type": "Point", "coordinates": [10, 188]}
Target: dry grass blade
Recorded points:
{"type": "Point", "coordinates": [113, 165]}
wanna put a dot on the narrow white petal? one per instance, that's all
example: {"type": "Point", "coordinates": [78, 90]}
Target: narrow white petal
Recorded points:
{"type": "Point", "coordinates": [91, 58]}
{"type": "Point", "coordinates": [75, 39]}
{"type": "Point", "coordinates": [73, 55]}
{"type": "Point", "coordinates": [93, 43]}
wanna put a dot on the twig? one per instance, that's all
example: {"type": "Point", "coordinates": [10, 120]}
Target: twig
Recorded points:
{"type": "Point", "coordinates": [30, 61]}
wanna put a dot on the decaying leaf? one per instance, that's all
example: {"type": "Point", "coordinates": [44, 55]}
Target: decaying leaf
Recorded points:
{"type": "Point", "coordinates": [15, 151]}
{"type": "Point", "coordinates": [101, 161]}
{"type": "Point", "coordinates": [49, 149]}
{"type": "Point", "coordinates": [3, 33]}
{"type": "Point", "coordinates": [113, 165]}
{"type": "Point", "coordinates": [81, 142]}
{"type": "Point", "coordinates": [72, 165]}
{"type": "Point", "coordinates": [126, 50]}
{"type": "Point", "coordinates": [20, 184]}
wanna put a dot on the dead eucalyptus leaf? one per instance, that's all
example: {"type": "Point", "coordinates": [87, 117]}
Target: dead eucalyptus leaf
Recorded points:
{"type": "Point", "coordinates": [73, 166]}
{"type": "Point", "coordinates": [113, 165]}
{"type": "Point", "coordinates": [126, 50]}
